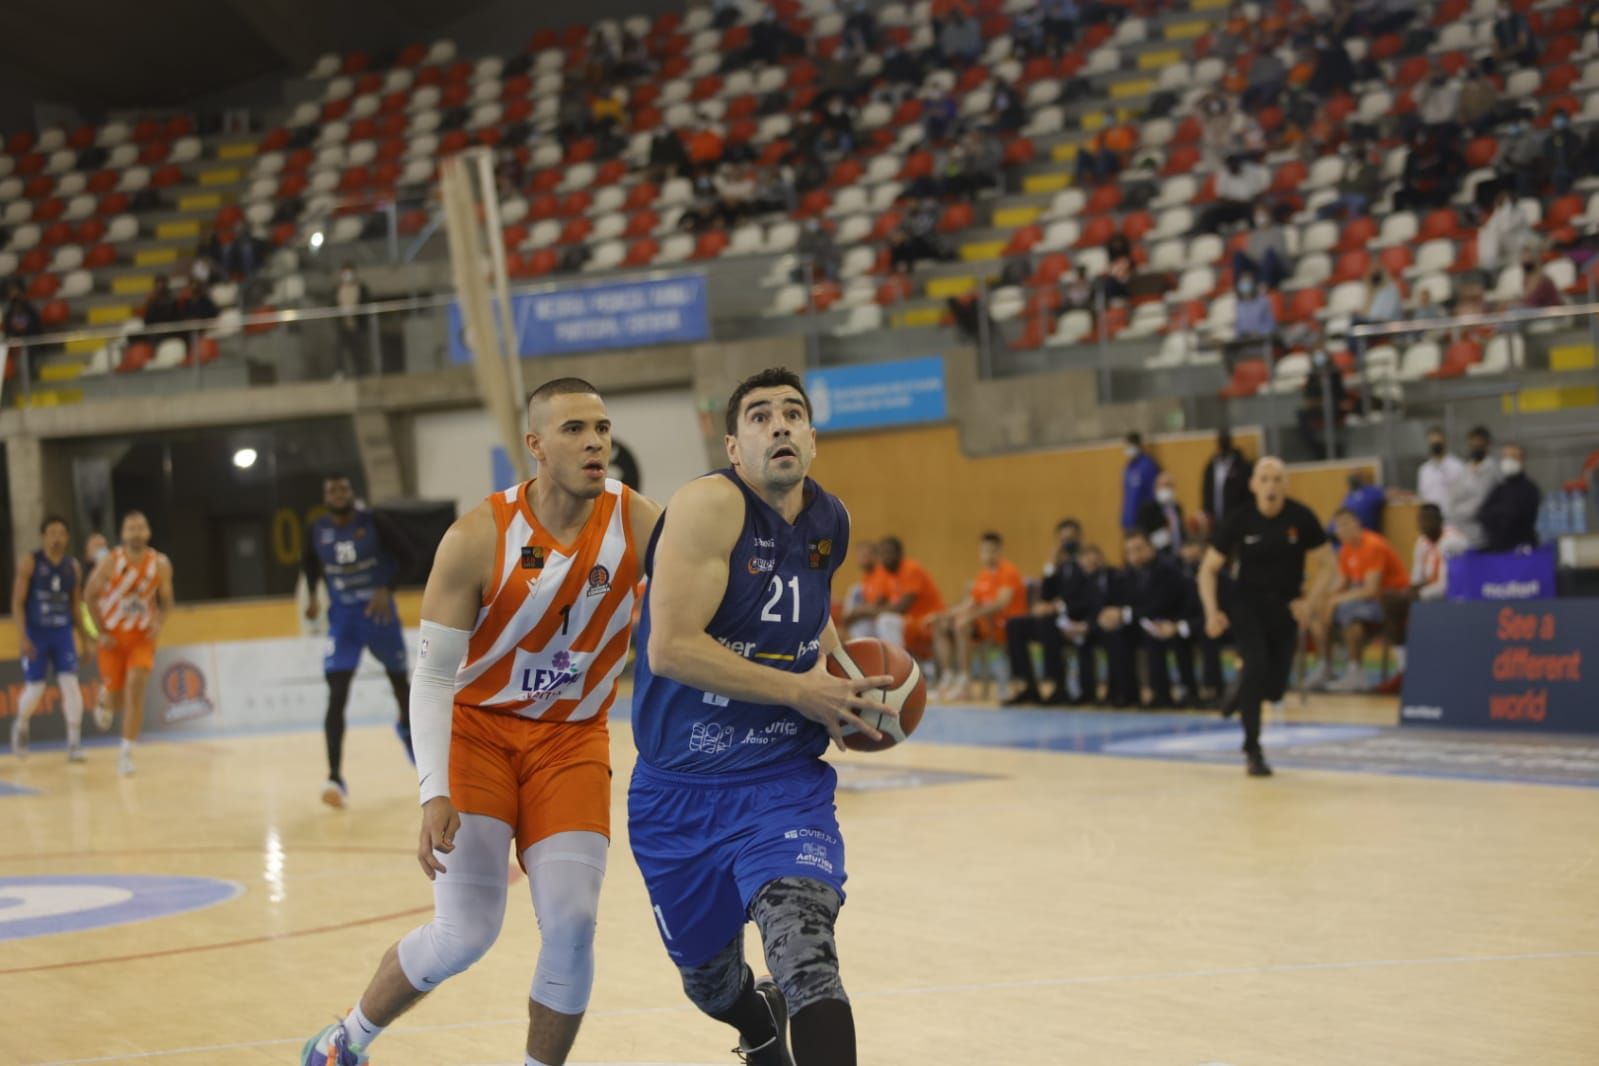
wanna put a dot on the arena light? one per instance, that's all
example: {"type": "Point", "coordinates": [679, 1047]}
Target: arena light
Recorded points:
{"type": "Point", "coordinates": [316, 240]}
{"type": "Point", "coordinates": [244, 458]}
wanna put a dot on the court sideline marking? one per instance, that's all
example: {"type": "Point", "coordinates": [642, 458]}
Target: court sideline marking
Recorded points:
{"type": "Point", "coordinates": [927, 990]}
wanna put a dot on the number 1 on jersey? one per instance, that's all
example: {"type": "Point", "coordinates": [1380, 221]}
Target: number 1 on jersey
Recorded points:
{"type": "Point", "coordinates": [566, 618]}
{"type": "Point", "coordinates": [769, 615]}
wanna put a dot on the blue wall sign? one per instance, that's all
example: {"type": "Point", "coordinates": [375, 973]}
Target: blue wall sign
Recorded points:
{"type": "Point", "coordinates": [878, 394]}
{"type": "Point", "coordinates": [624, 314]}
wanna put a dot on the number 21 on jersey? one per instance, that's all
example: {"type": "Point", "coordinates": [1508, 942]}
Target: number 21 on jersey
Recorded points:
{"type": "Point", "coordinates": [768, 613]}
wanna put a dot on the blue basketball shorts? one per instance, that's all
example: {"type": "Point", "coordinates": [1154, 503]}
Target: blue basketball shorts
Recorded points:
{"type": "Point", "coordinates": [707, 845]}
{"type": "Point", "coordinates": [350, 630]}
{"type": "Point", "coordinates": [51, 647]}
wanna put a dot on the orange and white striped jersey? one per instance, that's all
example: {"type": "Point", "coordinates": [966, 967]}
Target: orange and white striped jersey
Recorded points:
{"type": "Point", "coordinates": [551, 637]}
{"type": "Point", "coordinates": [127, 603]}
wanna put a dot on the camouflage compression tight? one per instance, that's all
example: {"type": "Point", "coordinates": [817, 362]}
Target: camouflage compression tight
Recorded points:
{"type": "Point", "coordinates": [795, 916]}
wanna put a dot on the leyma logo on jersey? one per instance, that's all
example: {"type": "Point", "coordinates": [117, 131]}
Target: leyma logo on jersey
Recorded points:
{"type": "Point", "coordinates": [542, 683]}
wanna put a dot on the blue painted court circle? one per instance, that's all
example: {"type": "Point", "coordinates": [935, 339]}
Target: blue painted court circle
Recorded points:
{"type": "Point", "coordinates": [70, 903]}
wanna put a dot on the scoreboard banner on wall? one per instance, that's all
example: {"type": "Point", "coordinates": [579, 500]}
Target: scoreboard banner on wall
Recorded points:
{"type": "Point", "coordinates": [1528, 665]}
{"type": "Point", "coordinates": [624, 314]}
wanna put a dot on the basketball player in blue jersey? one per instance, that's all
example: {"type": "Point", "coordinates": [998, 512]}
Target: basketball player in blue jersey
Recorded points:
{"type": "Point", "coordinates": [46, 599]}
{"type": "Point", "coordinates": [358, 554]}
{"type": "Point", "coordinates": [730, 810]}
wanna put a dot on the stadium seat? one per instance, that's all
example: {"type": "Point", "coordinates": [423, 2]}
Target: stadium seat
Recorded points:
{"type": "Point", "coordinates": [1503, 353]}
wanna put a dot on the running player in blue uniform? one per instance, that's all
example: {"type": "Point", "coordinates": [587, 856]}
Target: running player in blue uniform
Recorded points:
{"type": "Point", "coordinates": [730, 810]}
{"type": "Point", "coordinates": [358, 554]}
{"type": "Point", "coordinates": [46, 599]}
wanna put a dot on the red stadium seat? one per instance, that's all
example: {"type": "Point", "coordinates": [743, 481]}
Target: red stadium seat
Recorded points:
{"type": "Point", "coordinates": [1352, 266]}
{"type": "Point", "coordinates": [35, 259]}
{"type": "Point", "coordinates": [90, 231]}
{"type": "Point", "coordinates": [1020, 152]}
{"type": "Point", "coordinates": [824, 294]}
{"type": "Point", "coordinates": [1561, 212]}
{"type": "Point", "coordinates": [334, 110]}
{"type": "Point", "coordinates": [1357, 233]}
{"type": "Point", "coordinates": [576, 202]}
{"type": "Point", "coordinates": [368, 83]}
{"type": "Point", "coordinates": [112, 204]}
{"type": "Point", "coordinates": [513, 236]}
{"type": "Point", "coordinates": [1248, 376]}
{"type": "Point", "coordinates": [82, 137]}
{"type": "Point", "coordinates": [641, 252]}
{"type": "Point", "coordinates": [908, 111]}
{"type": "Point", "coordinates": [453, 142]}
{"type": "Point", "coordinates": [710, 245]}
{"type": "Point", "coordinates": [146, 129]}
{"type": "Point", "coordinates": [956, 217]}
{"type": "Point", "coordinates": [44, 286]}
{"type": "Point", "coordinates": [428, 76]}
{"type": "Point", "coordinates": [179, 126]}
{"type": "Point", "coordinates": [49, 209]}
{"type": "Point", "coordinates": [354, 179]}
{"type": "Point", "coordinates": [1305, 304]}
{"type": "Point", "coordinates": [815, 202]}
{"type": "Point", "coordinates": [30, 163]}
{"type": "Point", "coordinates": [1289, 177]}
{"type": "Point", "coordinates": [412, 222]}
{"type": "Point", "coordinates": [916, 165]}
{"type": "Point", "coordinates": [39, 186]}
{"type": "Point", "coordinates": [137, 356]}
{"type": "Point", "coordinates": [1559, 79]}
{"type": "Point", "coordinates": [1396, 259]}
{"type": "Point", "coordinates": [547, 180]}
{"type": "Point", "coordinates": [1104, 199]}
{"type": "Point", "coordinates": [203, 350]}
{"type": "Point", "coordinates": [1095, 232]}
{"type": "Point", "coordinates": [641, 224]}
{"type": "Point", "coordinates": [55, 314]}
{"type": "Point", "coordinates": [291, 185]}
{"type": "Point", "coordinates": [895, 290]}
{"type": "Point", "coordinates": [1440, 224]}
{"type": "Point", "coordinates": [576, 230]}
{"type": "Point", "coordinates": [1049, 270]}
{"type": "Point", "coordinates": [847, 172]}
{"type": "Point", "coordinates": [20, 142]}
{"type": "Point", "coordinates": [885, 224]}
{"type": "Point", "coordinates": [1022, 241]}
{"type": "Point", "coordinates": [1480, 151]}
{"type": "Point", "coordinates": [1136, 224]}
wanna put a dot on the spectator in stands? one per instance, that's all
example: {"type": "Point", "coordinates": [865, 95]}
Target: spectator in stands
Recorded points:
{"type": "Point", "coordinates": [1370, 571]}
{"type": "Point", "coordinates": [1423, 310]}
{"type": "Point", "coordinates": [1148, 612]}
{"type": "Point", "coordinates": [1504, 236]}
{"type": "Point", "coordinates": [352, 340]}
{"type": "Point", "coordinates": [1479, 99]}
{"type": "Point", "coordinates": [1509, 516]}
{"type": "Point", "coordinates": [1360, 184]}
{"type": "Point", "coordinates": [1365, 500]}
{"type": "Point", "coordinates": [160, 306]}
{"type": "Point", "coordinates": [900, 597]}
{"type": "Point", "coordinates": [1060, 24]}
{"type": "Point", "coordinates": [726, 13]}
{"type": "Point", "coordinates": [816, 248]}
{"type": "Point", "coordinates": [735, 192]}
{"type": "Point", "coordinates": [1218, 124]}
{"type": "Point", "coordinates": [704, 147]}
{"type": "Point", "coordinates": [1436, 477]}
{"type": "Point", "coordinates": [1138, 480]}
{"type": "Point", "coordinates": [770, 40]}
{"type": "Point", "coordinates": [1438, 103]}
{"type": "Point", "coordinates": [997, 595]}
{"type": "Point", "coordinates": [1238, 189]}
{"type": "Point", "coordinates": [1009, 110]}
{"type": "Point", "coordinates": [1076, 291]}
{"type": "Point", "coordinates": [940, 110]}
{"type": "Point", "coordinates": [668, 157]}
{"type": "Point", "coordinates": [1161, 519]}
{"type": "Point", "coordinates": [903, 68]}
{"type": "Point", "coordinates": [1431, 174]}
{"type": "Point", "coordinates": [1268, 75]}
{"type": "Point", "coordinates": [1096, 163]}
{"type": "Point", "coordinates": [1563, 155]}
{"type": "Point", "coordinates": [1472, 486]}
{"type": "Point", "coordinates": [195, 303]}
{"type": "Point", "coordinates": [1254, 320]}
{"type": "Point", "coordinates": [1323, 391]}
{"type": "Point", "coordinates": [1226, 479]}
{"type": "Point", "coordinates": [605, 109]}
{"type": "Point", "coordinates": [1513, 41]}
{"type": "Point", "coordinates": [1027, 33]}
{"type": "Point", "coordinates": [1113, 281]}
{"type": "Point", "coordinates": [860, 27]}
{"type": "Point", "coordinates": [20, 322]}
{"type": "Point", "coordinates": [1384, 301]}
{"type": "Point", "coordinates": [960, 39]}
{"type": "Point", "coordinates": [1333, 71]}
{"type": "Point", "coordinates": [1519, 161]}
{"type": "Point", "coordinates": [1540, 289]}
{"type": "Point", "coordinates": [1266, 254]}
{"type": "Point", "coordinates": [1435, 546]}
{"type": "Point", "coordinates": [916, 238]}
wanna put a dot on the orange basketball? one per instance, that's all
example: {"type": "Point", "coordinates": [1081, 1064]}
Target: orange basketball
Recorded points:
{"type": "Point", "coordinates": [869, 657]}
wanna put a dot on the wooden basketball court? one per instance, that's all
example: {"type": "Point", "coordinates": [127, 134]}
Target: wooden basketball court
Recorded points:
{"type": "Point", "coordinates": [1058, 907]}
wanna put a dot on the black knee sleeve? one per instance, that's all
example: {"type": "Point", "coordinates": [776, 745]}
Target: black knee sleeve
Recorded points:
{"type": "Point", "coordinates": [333, 723]}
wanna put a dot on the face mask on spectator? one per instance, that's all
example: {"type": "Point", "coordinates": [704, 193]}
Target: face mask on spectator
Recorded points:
{"type": "Point", "coordinates": [1509, 467]}
{"type": "Point", "coordinates": [1246, 286]}
{"type": "Point", "coordinates": [1478, 454]}
{"type": "Point", "coordinates": [1436, 447]}
{"type": "Point", "coordinates": [1560, 122]}
{"type": "Point", "coordinates": [1165, 496]}
{"type": "Point", "coordinates": [1319, 359]}
{"type": "Point", "coordinates": [1131, 451]}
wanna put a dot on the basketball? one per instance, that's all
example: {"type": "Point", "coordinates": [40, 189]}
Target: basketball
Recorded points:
{"type": "Point", "coordinates": [869, 657]}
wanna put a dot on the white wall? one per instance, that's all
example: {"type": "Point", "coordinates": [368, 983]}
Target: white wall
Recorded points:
{"type": "Point", "coordinates": [661, 429]}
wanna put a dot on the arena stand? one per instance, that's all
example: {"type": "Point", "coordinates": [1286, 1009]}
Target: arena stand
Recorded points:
{"type": "Point", "coordinates": [358, 159]}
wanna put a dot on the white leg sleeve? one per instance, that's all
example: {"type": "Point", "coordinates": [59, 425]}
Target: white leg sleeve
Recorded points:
{"type": "Point", "coordinates": [32, 693]}
{"type": "Point", "coordinates": [71, 705]}
{"type": "Point", "coordinates": [891, 629]}
{"type": "Point", "coordinates": [468, 905]}
{"type": "Point", "coordinates": [565, 872]}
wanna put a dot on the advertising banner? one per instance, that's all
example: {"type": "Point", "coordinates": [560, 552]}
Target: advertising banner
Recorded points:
{"type": "Point", "coordinates": [1526, 666]}
{"type": "Point", "coordinates": [878, 394]}
{"type": "Point", "coordinates": [1520, 575]}
{"type": "Point", "coordinates": [624, 314]}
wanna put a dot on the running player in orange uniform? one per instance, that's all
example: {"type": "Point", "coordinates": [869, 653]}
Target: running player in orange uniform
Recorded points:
{"type": "Point", "coordinates": [998, 594]}
{"type": "Point", "coordinates": [525, 627]}
{"type": "Point", "coordinates": [129, 595]}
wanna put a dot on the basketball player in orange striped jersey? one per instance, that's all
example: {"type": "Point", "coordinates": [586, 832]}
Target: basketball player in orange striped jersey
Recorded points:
{"type": "Point", "coordinates": [129, 595]}
{"type": "Point", "coordinates": [525, 627]}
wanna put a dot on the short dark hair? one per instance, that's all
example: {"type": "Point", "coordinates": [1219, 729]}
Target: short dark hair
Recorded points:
{"type": "Point", "coordinates": [1436, 429]}
{"type": "Point", "coordinates": [895, 541]}
{"type": "Point", "coordinates": [1064, 522]}
{"type": "Point", "coordinates": [1134, 534]}
{"type": "Point", "coordinates": [1344, 511]}
{"type": "Point", "coordinates": [561, 387]}
{"type": "Point", "coordinates": [773, 377]}
{"type": "Point", "coordinates": [991, 535]}
{"type": "Point", "coordinates": [136, 513]}
{"type": "Point", "coordinates": [52, 519]}
{"type": "Point", "coordinates": [1135, 437]}
{"type": "Point", "coordinates": [1480, 431]}
{"type": "Point", "coordinates": [1431, 509]}
{"type": "Point", "coordinates": [336, 475]}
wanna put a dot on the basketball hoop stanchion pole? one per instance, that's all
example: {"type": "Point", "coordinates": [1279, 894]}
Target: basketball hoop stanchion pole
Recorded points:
{"type": "Point", "coordinates": [490, 362]}
{"type": "Point", "coordinates": [510, 337]}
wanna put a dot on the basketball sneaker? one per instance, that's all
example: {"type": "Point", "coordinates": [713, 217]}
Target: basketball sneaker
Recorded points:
{"type": "Point", "coordinates": [103, 716]}
{"type": "Point", "coordinates": [125, 763]}
{"type": "Point", "coordinates": [1255, 764]}
{"type": "Point", "coordinates": [19, 736]}
{"type": "Point", "coordinates": [75, 753]}
{"type": "Point", "coordinates": [334, 793]}
{"type": "Point", "coordinates": [775, 1051]}
{"type": "Point", "coordinates": [331, 1047]}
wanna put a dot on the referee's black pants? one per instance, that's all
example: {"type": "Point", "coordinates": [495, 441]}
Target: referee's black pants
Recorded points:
{"type": "Point", "coordinates": [1266, 636]}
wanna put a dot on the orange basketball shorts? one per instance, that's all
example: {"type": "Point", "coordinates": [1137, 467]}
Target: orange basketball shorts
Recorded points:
{"type": "Point", "coordinates": [540, 778]}
{"type": "Point", "coordinates": [918, 637]}
{"type": "Point", "coordinates": [128, 651]}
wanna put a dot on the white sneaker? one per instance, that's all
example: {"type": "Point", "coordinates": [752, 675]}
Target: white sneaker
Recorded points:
{"type": "Point", "coordinates": [19, 736]}
{"type": "Point", "coordinates": [1353, 680]}
{"type": "Point", "coordinates": [334, 794]}
{"type": "Point", "coordinates": [75, 753]}
{"type": "Point", "coordinates": [103, 717]}
{"type": "Point", "coordinates": [125, 764]}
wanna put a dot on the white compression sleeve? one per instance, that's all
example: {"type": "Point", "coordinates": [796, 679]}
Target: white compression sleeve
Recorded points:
{"type": "Point", "coordinates": [439, 653]}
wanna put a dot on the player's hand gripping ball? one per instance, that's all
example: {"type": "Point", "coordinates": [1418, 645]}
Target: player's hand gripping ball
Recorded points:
{"type": "Point", "coordinates": [869, 657]}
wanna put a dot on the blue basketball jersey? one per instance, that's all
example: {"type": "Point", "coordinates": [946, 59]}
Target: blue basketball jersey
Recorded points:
{"type": "Point", "coordinates": [353, 560]}
{"type": "Point", "coordinates": [777, 602]}
{"type": "Point", "coordinates": [50, 592]}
